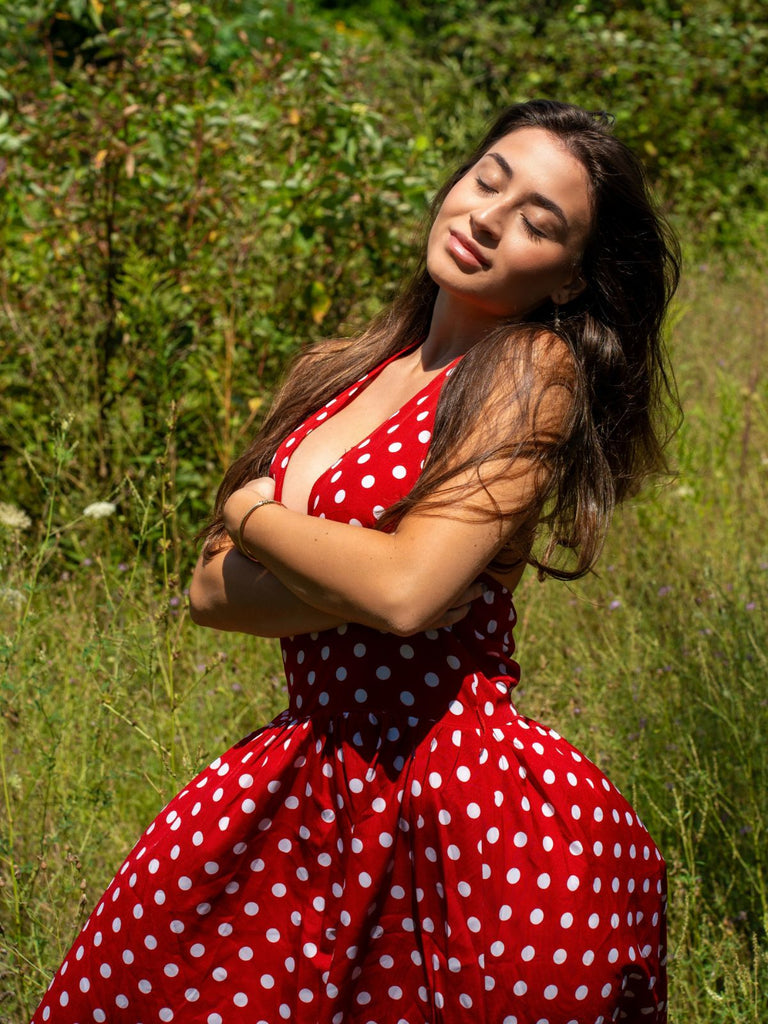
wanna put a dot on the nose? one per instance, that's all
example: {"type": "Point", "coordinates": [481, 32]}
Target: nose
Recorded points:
{"type": "Point", "coordinates": [486, 219]}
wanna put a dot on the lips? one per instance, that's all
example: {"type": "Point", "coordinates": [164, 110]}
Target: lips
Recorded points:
{"type": "Point", "coordinates": [465, 250]}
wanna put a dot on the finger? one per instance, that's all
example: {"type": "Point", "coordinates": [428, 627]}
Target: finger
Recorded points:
{"type": "Point", "coordinates": [469, 594]}
{"type": "Point", "coordinates": [453, 615]}
{"type": "Point", "coordinates": [263, 486]}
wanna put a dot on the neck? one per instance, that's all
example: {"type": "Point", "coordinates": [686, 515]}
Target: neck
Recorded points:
{"type": "Point", "coordinates": [455, 328]}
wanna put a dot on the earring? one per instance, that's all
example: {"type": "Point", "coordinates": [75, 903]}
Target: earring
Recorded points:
{"type": "Point", "coordinates": [557, 317]}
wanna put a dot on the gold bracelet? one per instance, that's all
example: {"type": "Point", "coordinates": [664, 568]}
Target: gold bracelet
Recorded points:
{"type": "Point", "coordinates": [240, 543]}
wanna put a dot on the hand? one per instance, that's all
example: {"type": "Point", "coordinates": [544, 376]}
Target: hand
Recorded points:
{"type": "Point", "coordinates": [261, 487]}
{"type": "Point", "coordinates": [459, 609]}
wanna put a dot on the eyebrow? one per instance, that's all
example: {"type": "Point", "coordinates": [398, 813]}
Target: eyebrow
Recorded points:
{"type": "Point", "coordinates": [536, 197]}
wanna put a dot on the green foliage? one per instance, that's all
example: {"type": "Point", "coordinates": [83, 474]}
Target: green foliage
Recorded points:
{"type": "Point", "coordinates": [685, 81]}
{"type": "Point", "coordinates": [191, 193]}
{"type": "Point", "coordinates": [177, 244]}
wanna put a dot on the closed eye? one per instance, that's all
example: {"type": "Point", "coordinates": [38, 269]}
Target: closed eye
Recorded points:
{"type": "Point", "coordinates": [484, 186]}
{"type": "Point", "coordinates": [533, 232]}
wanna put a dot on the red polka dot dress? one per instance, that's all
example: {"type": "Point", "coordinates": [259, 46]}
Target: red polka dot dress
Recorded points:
{"type": "Point", "coordinates": [399, 846]}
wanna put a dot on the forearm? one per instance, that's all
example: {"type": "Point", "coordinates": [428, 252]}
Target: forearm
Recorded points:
{"type": "Point", "coordinates": [387, 581]}
{"type": "Point", "coordinates": [232, 593]}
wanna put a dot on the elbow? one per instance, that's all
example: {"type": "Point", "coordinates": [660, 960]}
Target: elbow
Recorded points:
{"type": "Point", "coordinates": [403, 621]}
{"type": "Point", "coordinates": [197, 613]}
{"type": "Point", "coordinates": [408, 610]}
{"type": "Point", "coordinates": [201, 609]}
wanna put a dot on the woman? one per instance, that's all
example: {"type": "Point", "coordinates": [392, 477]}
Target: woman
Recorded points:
{"type": "Point", "coordinates": [400, 844]}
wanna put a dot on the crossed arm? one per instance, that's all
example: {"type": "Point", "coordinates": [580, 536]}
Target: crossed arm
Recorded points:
{"type": "Point", "coordinates": [230, 592]}
{"type": "Point", "coordinates": [313, 573]}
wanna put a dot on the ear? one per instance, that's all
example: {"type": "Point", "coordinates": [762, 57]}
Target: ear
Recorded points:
{"type": "Point", "coordinates": [569, 290]}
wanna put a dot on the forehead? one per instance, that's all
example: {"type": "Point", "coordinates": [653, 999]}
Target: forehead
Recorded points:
{"type": "Point", "coordinates": [541, 162]}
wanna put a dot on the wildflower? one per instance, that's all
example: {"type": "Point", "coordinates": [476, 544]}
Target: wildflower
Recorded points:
{"type": "Point", "coordinates": [663, 591]}
{"type": "Point", "coordinates": [13, 517]}
{"type": "Point", "coordinates": [11, 598]}
{"type": "Point", "coordinates": [750, 606]}
{"type": "Point", "coordinates": [99, 509]}
{"type": "Point", "coordinates": [614, 605]}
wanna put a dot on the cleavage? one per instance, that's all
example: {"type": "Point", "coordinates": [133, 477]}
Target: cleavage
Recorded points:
{"type": "Point", "coordinates": [343, 429]}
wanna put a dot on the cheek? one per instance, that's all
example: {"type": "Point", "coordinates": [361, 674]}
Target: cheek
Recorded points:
{"type": "Point", "coordinates": [437, 235]}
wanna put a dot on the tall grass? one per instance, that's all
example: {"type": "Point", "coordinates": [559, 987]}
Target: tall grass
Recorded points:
{"type": "Point", "coordinates": [655, 667]}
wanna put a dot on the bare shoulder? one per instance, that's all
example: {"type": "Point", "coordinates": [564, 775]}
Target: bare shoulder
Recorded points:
{"type": "Point", "coordinates": [533, 387]}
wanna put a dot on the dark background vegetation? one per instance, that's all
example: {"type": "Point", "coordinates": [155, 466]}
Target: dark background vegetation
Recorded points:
{"type": "Point", "coordinates": [189, 193]}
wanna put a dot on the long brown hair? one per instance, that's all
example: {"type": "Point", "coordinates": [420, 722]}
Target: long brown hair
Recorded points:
{"type": "Point", "coordinates": [623, 397]}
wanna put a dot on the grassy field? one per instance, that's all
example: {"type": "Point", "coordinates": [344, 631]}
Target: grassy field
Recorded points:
{"type": "Point", "coordinates": [655, 667]}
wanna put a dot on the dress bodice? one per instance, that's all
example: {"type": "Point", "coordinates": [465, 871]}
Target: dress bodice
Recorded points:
{"type": "Point", "coordinates": [357, 668]}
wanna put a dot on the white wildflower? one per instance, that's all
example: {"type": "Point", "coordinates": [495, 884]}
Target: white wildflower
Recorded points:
{"type": "Point", "coordinates": [11, 598]}
{"type": "Point", "coordinates": [99, 509]}
{"type": "Point", "coordinates": [13, 517]}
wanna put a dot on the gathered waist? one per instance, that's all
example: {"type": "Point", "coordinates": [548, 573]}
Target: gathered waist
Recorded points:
{"type": "Point", "coordinates": [416, 699]}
